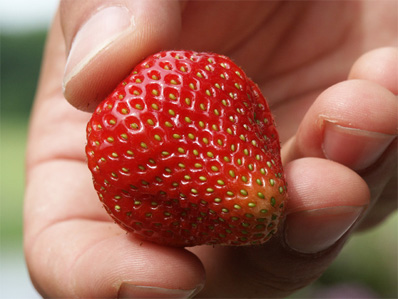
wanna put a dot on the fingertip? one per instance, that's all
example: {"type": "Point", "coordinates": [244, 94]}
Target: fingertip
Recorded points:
{"type": "Point", "coordinates": [315, 183]}
{"type": "Point", "coordinates": [379, 66]}
{"type": "Point", "coordinates": [325, 200]}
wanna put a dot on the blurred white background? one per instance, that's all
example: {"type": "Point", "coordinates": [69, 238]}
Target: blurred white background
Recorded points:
{"type": "Point", "coordinates": [21, 15]}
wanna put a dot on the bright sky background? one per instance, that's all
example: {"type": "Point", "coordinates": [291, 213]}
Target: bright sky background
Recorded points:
{"type": "Point", "coordinates": [19, 15]}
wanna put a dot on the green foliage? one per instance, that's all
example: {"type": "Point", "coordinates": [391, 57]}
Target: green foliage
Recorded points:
{"type": "Point", "coordinates": [20, 65]}
{"type": "Point", "coordinates": [21, 56]}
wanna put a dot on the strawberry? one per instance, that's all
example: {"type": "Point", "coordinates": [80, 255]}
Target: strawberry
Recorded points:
{"type": "Point", "coordinates": [185, 152]}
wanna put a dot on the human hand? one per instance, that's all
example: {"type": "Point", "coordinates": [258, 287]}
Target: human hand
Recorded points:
{"type": "Point", "coordinates": [74, 250]}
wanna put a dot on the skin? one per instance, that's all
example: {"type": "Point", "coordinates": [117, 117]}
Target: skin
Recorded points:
{"type": "Point", "coordinates": [344, 72]}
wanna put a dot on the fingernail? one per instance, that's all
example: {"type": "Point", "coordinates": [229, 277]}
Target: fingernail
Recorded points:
{"type": "Point", "coordinates": [316, 230]}
{"type": "Point", "coordinates": [95, 35]}
{"type": "Point", "coordinates": [128, 290]}
{"type": "Point", "coordinates": [355, 148]}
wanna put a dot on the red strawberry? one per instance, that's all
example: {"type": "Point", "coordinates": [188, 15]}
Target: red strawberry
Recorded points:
{"type": "Point", "coordinates": [185, 152]}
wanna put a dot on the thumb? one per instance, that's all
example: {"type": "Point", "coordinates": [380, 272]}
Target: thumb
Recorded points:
{"type": "Point", "coordinates": [106, 39]}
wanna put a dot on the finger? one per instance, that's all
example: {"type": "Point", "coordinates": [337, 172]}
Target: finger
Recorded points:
{"type": "Point", "coordinates": [104, 262]}
{"type": "Point", "coordinates": [106, 39]}
{"type": "Point", "coordinates": [379, 66]}
{"type": "Point", "coordinates": [326, 199]}
{"type": "Point", "coordinates": [353, 123]}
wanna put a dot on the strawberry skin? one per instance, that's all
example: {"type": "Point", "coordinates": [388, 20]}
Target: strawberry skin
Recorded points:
{"type": "Point", "coordinates": [185, 152]}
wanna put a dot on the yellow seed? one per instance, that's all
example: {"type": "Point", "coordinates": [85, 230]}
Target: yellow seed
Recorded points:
{"type": "Point", "coordinates": [230, 193]}
{"type": "Point", "coordinates": [172, 97]}
{"type": "Point", "coordinates": [243, 192]}
{"type": "Point", "coordinates": [155, 106]}
{"type": "Point", "coordinates": [168, 124]}
{"type": "Point", "coordinates": [155, 92]}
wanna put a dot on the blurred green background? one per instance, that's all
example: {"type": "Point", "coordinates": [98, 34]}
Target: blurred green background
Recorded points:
{"type": "Point", "coordinates": [367, 267]}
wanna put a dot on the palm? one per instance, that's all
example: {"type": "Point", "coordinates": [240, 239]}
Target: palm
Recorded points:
{"type": "Point", "coordinates": [293, 50]}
